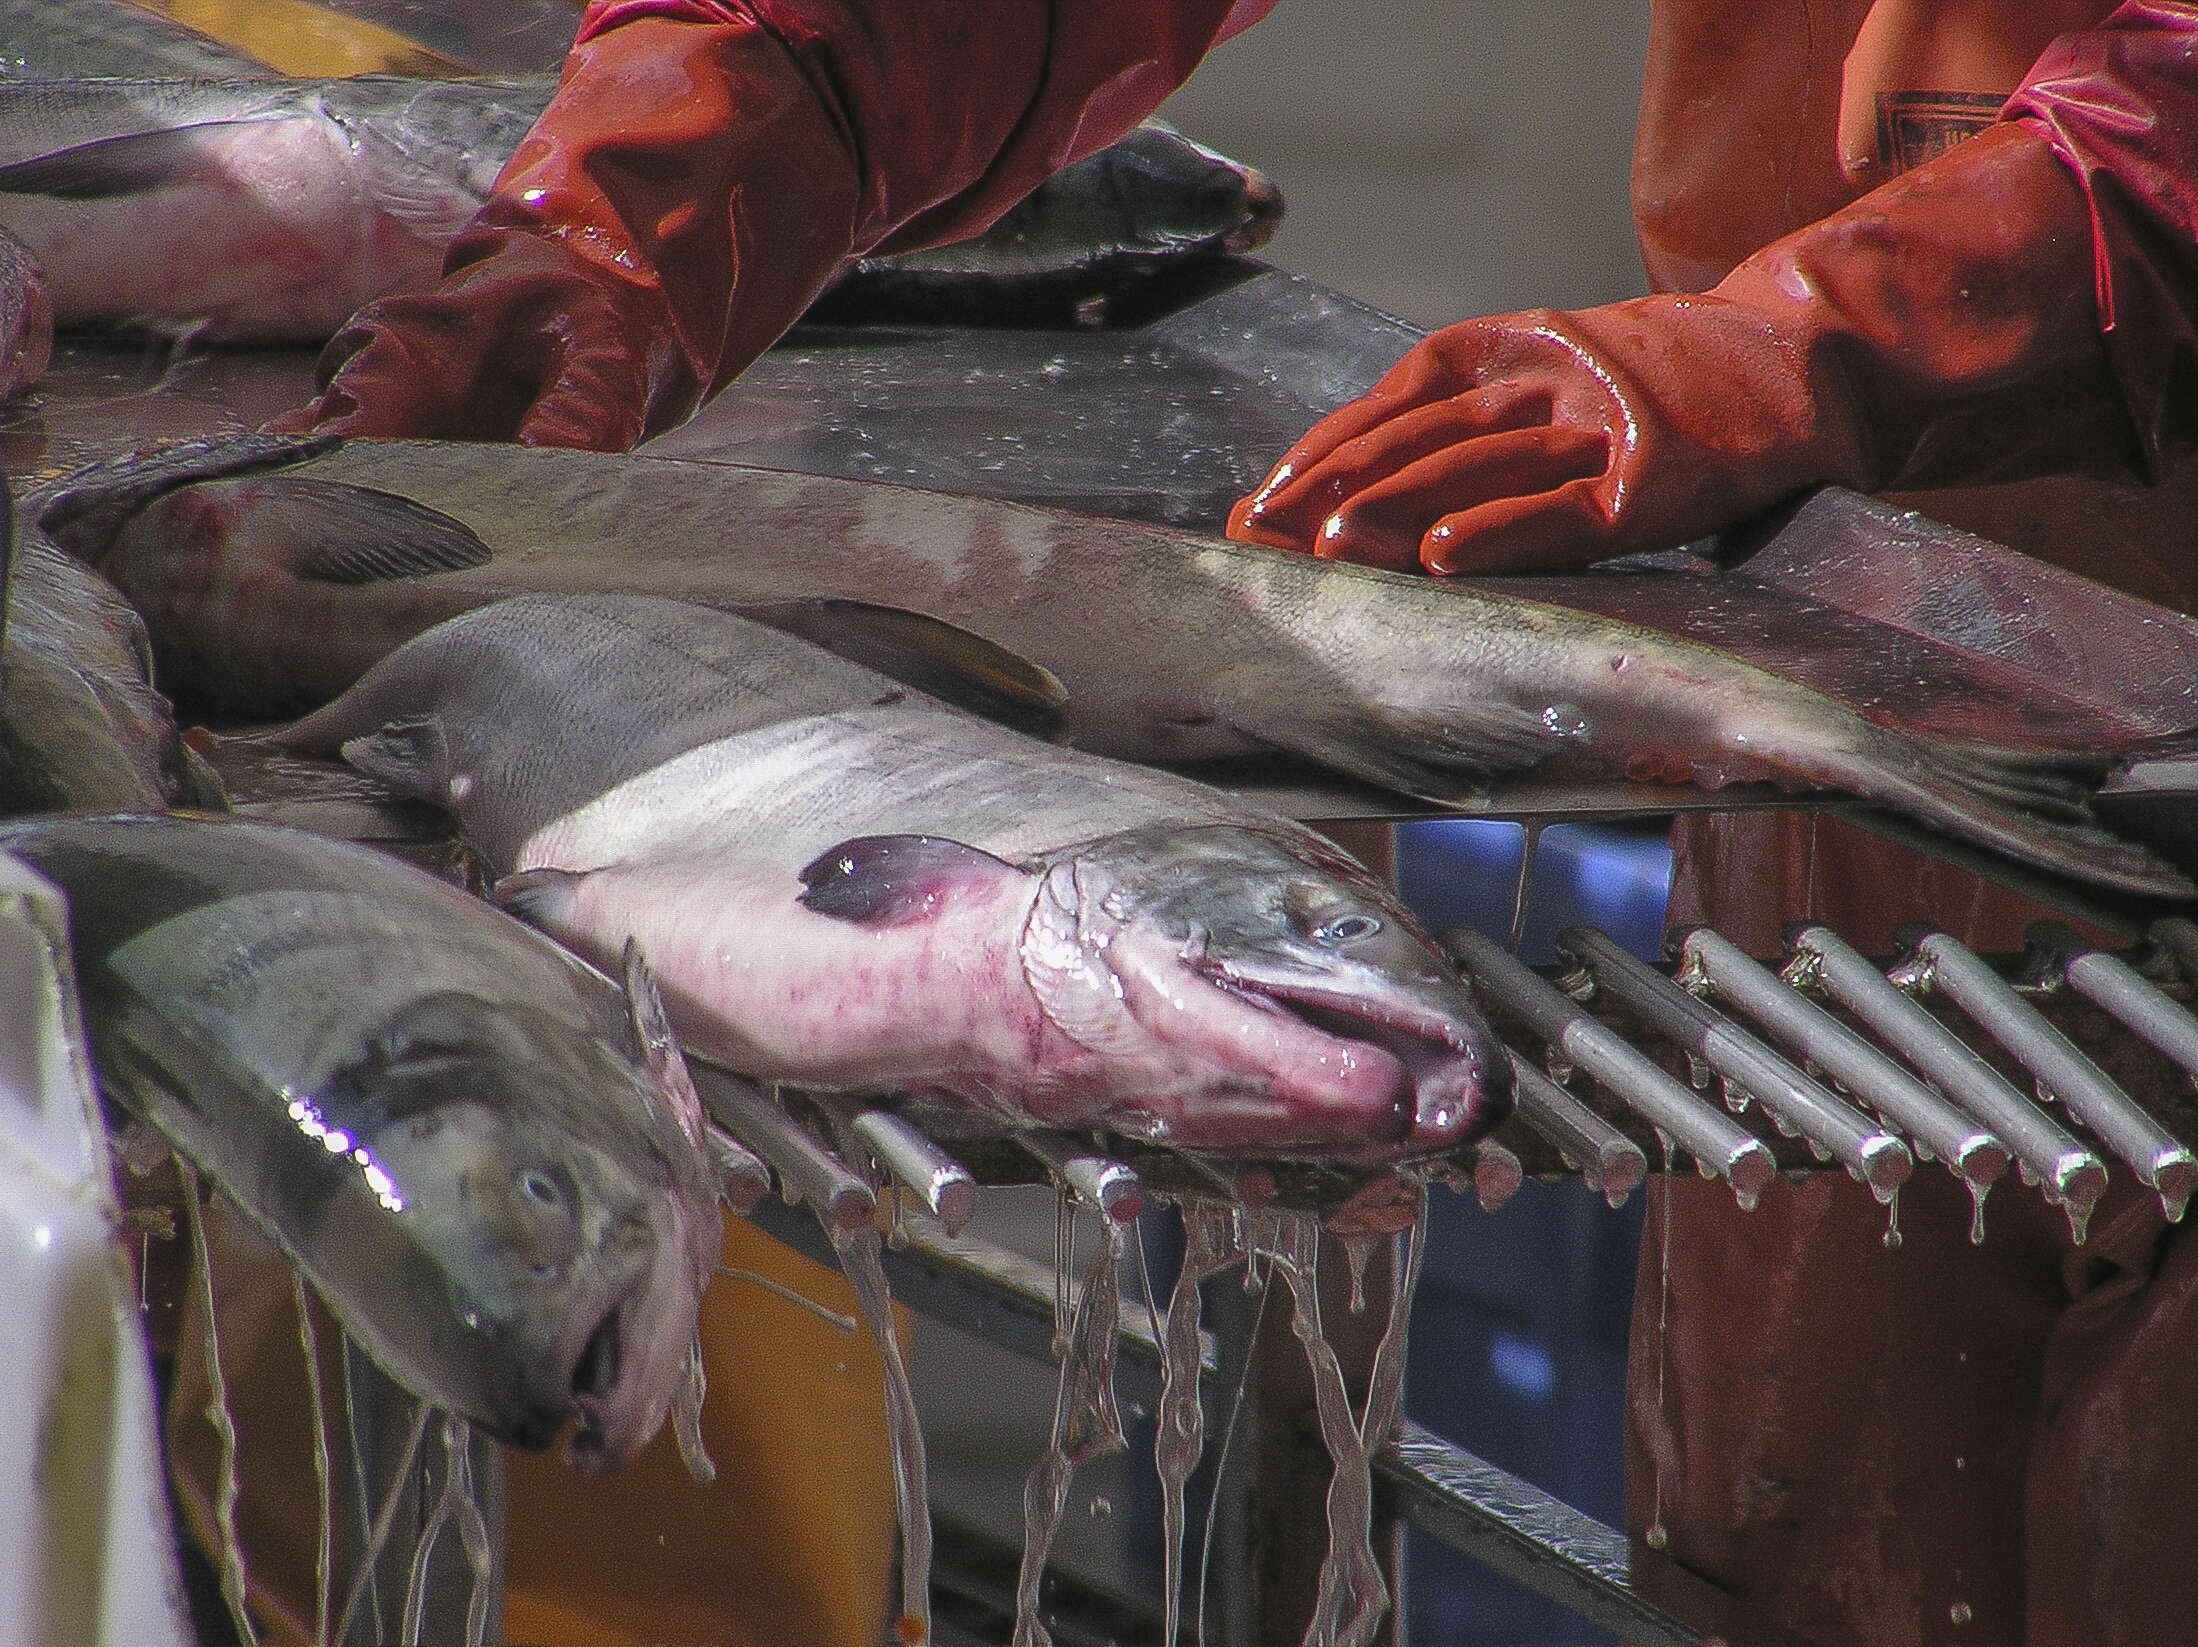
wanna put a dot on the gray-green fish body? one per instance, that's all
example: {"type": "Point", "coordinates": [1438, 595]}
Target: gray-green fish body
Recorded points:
{"type": "Point", "coordinates": [275, 581]}
{"type": "Point", "coordinates": [438, 1115]}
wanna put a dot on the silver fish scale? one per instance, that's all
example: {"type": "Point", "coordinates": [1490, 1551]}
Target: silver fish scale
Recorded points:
{"type": "Point", "coordinates": [804, 787]}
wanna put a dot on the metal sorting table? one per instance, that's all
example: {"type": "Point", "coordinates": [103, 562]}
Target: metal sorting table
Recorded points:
{"type": "Point", "coordinates": [1845, 1069]}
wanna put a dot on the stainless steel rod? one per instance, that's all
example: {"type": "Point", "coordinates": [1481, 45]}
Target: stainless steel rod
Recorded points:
{"type": "Point", "coordinates": [1868, 1074]}
{"type": "Point", "coordinates": [945, 1187]}
{"type": "Point", "coordinates": [2116, 988]}
{"type": "Point", "coordinates": [1100, 1181]}
{"type": "Point", "coordinates": [1878, 1157]}
{"type": "Point", "coordinates": [2159, 1159]}
{"type": "Point", "coordinates": [804, 1166]}
{"type": "Point", "coordinates": [2070, 1170]}
{"type": "Point", "coordinates": [742, 1178]}
{"type": "Point", "coordinates": [1720, 1145]}
{"type": "Point", "coordinates": [1497, 1174]}
{"type": "Point", "coordinates": [1607, 1160]}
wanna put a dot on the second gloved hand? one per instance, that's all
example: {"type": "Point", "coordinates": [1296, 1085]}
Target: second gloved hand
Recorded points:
{"type": "Point", "coordinates": [1941, 328]}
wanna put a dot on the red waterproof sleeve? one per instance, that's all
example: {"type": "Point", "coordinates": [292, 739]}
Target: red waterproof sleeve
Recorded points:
{"type": "Point", "coordinates": [2119, 105]}
{"type": "Point", "coordinates": [706, 166]}
{"type": "Point", "coordinates": [955, 111]}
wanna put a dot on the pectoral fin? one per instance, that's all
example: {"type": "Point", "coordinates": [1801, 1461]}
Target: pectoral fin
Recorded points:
{"type": "Point", "coordinates": [366, 536]}
{"type": "Point", "coordinates": [659, 1048]}
{"type": "Point", "coordinates": [951, 663]}
{"type": "Point", "coordinates": [883, 880]}
{"type": "Point", "coordinates": [412, 757]}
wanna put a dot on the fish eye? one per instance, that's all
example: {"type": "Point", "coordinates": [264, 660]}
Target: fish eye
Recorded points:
{"type": "Point", "coordinates": [540, 1187]}
{"type": "Point", "coordinates": [1346, 929]}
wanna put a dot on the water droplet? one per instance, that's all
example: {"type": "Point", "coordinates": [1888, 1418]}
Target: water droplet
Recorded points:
{"type": "Point", "coordinates": [1100, 1507]}
{"type": "Point", "coordinates": [1656, 1538]}
{"type": "Point", "coordinates": [1960, 1463]}
{"type": "Point", "coordinates": [1960, 1612]}
{"type": "Point", "coordinates": [1892, 1222]}
{"type": "Point", "coordinates": [1977, 1194]}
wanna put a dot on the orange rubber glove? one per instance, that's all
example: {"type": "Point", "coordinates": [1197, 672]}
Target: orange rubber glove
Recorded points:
{"type": "Point", "coordinates": [1941, 327]}
{"type": "Point", "coordinates": [589, 303]}
{"type": "Point", "coordinates": [706, 167]}
{"type": "Point", "coordinates": [1944, 328]}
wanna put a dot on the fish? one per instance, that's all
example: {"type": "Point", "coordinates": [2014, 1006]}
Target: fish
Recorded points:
{"type": "Point", "coordinates": [254, 210]}
{"type": "Point", "coordinates": [26, 318]}
{"type": "Point", "coordinates": [450, 1126]}
{"type": "Point", "coordinates": [847, 885]}
{"type": "Point", "coordinates": [1077, 246]}
{"type": "Point", "coordinates": [90, 39]}
{"type": "Point", "coordinates": [81, 727]}
{"type": "Point", "coordinates": [272, 573]}
{"type": "Point", "coordinates": [248, 210]}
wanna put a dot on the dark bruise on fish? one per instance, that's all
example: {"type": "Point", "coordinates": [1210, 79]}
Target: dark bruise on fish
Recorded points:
{"type": "Point", "coordinates": [446, 1122]}
{"type": "Point", "coordinates": [1168, 645]}
{"type": "Point", "coordinates": [846, 885]}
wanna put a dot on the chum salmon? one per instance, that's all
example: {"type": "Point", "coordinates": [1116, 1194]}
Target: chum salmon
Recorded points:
{"type": "Point", "coordinates": [273, 572]}
{"type": "Point", "coordinates": [458, 1133]}
{"type": "Point", "coordinates": [846, 885]}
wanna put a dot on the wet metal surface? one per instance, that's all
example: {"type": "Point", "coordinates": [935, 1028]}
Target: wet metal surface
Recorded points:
{"type": "Point", "coordinates": [805, 1167]}
{"type": "Point", "coordinates": [1608, 1161]}
{"type": "Point", "coordinates": [1750, 1069]}
{"type": "Point", "coordinates": [1940, 1130]}
{"type": "Point", "coordinates": [1719, 1145]}
{"type": "Point", "coordinates": [2071, 1171]}
{"type": "Point", "coordinates": [2062, 1072]}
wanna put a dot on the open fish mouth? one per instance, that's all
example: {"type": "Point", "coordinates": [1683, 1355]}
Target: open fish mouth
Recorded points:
{"type": "Point", "coordinates": [1460, 1084]}
{"type": "Point", "coordinates": [595, 1383]}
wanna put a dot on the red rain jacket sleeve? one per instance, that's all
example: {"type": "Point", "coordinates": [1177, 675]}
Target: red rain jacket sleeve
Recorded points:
{"type": "Point", "coordinates": [956, 110]}
{"type": "Point", "coordinates": [2119, 105]}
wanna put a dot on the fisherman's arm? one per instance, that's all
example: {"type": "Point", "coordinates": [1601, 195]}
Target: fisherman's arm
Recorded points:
{"type": "Point", "coordinates": [708, 165]}
{"type": "Point", "coordinates": [2027, 303]}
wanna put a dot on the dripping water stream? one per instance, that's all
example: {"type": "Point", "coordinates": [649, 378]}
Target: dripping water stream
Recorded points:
{"type": "Point", "coordinates": [1086, 1425]}
{"type": "Point", "coordinates": [1209, 1246]}
{"type": "Point", "coordinates": [1353, 1597]}
{"type": "Point", "coordinates": [861, 1256]}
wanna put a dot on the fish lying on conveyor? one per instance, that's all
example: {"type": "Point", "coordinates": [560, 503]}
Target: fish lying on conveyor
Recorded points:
{"type": "Point", "coordinates": [1079, 242]}
{"type": "Point", "coordinates": [273, 573]}
{"type": "Point", "coordinates": [447, 1123]}
{"type": "Point", "coordinates": [844, 884]}
{"type": "Point", "coordinates": [81, 728]}
{"type": "Point", "coordinates": [258, 210]}
{"type": "Point", "coordinates": [248, 210]}
{"type": "Point", "coordinates": [96, 39]}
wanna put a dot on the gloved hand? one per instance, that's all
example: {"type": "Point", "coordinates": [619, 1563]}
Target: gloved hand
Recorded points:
{"type": "Point", "coordinates": [1943, 327]}
{"type": "Point", "coordinates": [592, 301]}
{"type": "Point", "coordinates": [705, 168]}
